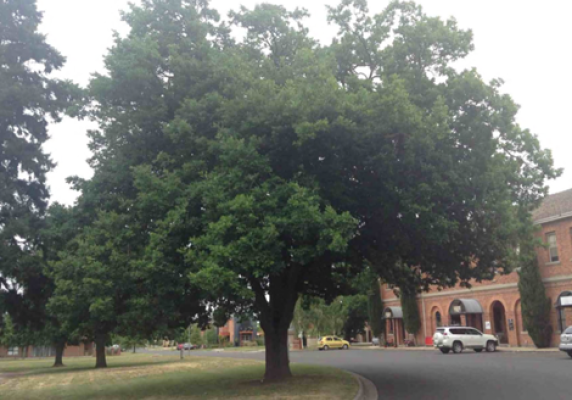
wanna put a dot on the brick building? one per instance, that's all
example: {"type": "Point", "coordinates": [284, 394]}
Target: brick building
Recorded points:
{"type": "Point", "coordinates": [494, 306]}
{"type": "Point", "coordinates": [238, 332]}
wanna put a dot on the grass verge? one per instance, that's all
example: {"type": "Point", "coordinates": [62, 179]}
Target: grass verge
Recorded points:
{"type": "Point", "coordinates": [164, 378]}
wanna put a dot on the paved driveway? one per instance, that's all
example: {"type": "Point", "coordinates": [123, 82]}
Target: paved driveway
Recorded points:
{"type": "Point", "coordinates": [422, 375]}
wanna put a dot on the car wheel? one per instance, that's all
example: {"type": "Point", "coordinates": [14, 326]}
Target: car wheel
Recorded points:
{"type": "Point", "coordinates": [478, 350]}
{"type": "Point", "coordinates": [570, 353]}
{"type": "Point", "coordinates": [444, 351]}
{"type": "Point", "coordinates": [345, 347]}
{"type": "Point", "coordinates": [457, 347]}
{"type": "Point", "coordinates": [326, 348]}
{"type": "Point", "coordinates": [491, 347]}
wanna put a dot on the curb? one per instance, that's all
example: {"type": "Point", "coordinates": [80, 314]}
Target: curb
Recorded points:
{"type": "Point", "coordinates": [499, 349]}
{"type": "Point", "coordinates": [367, 390]}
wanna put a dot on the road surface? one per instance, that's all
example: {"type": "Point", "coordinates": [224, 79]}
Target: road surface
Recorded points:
{"type": "Point", "coordinates": [427, 375]}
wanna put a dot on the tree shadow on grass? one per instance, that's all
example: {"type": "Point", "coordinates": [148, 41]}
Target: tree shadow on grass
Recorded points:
{"type": "Point", "coordinates": [66, 369]}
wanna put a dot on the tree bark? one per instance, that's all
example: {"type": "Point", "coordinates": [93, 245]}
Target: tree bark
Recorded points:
{"type": "Point", "coordinates": [277, 360]}
{"type": "Point", "coordinates": [60, 346]}
{"type": "Point", "coordinates": [275, 316]}
{"type": "Point", "coordinates": [100, 360]}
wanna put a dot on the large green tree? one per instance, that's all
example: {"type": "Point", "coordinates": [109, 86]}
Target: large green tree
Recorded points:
{"type": "Point", "coordinates": [30, 98]}
{"type": "Point", "coordinates": [258, 170]}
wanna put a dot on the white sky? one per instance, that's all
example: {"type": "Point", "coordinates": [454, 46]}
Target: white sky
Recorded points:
{"type": "Point", "coordinates": [526, 43]}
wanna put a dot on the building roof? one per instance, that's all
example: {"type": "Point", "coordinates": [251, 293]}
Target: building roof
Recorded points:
{"type": "Point", "coordinates": [555, 206]}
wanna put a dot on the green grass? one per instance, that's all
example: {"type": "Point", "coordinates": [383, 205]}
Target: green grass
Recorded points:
{"type": "Point", "coordinates": [151, 377]}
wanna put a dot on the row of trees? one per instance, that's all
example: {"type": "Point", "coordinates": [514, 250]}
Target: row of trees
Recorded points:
{"type": "Point", "coordinates": [346, 316]}
{"type": "Point", "coordinates": [236, 175]}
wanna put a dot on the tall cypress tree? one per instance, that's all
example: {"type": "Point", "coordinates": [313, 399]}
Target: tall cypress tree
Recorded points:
{"type": "Point", "coordinates": [375, 309]}
{"type": "Point", "coordinates": [411, 318]}
{"type": "Point", "coordinates": [535, 304]}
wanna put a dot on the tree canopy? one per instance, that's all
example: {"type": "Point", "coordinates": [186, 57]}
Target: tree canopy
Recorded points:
{"type": "Point", "coordinates": [30, 98]}
{"type": "Point", "coordinates": [236, 174]}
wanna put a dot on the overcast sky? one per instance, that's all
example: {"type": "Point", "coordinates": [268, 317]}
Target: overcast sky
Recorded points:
{"type": "Point", "coordinates": [526, 43]}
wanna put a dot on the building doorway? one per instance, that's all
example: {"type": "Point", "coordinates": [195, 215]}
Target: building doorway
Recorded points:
{"type": "Point", "coordinates": [499, 322]}
{"type": "Point", "coordinates": [392, 316]}
{"type": "Point", "coordinates": [564, 310]}
{"type": "Point", "coordinates": [467, 312]}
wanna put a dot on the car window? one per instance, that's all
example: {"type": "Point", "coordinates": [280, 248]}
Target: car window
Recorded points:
{"type": "Point", "coordinates": [441, 330]}
{"type": "Point", "coordinates": [329, 339]}
{"type": "Point", "coordinates": [568, 331]}
{"type": "Point", "coordinates": [458, 331]}
{"type": "Point", "coordinates": [474, 332]}
{"type": "Point", "coordinates": [337, 338]}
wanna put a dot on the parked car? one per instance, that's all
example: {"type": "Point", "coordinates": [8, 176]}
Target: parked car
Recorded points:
{"type": "Point", "coordinates": [333, 342]}
{"type": "Point", "coordinates": [458, 338]}
{"type": "Point", "coordinates": [566, 341]}
{"type": "Point", "coordinates": [186, 346]}
{"type": "Point", "coordinates": [375, 341]}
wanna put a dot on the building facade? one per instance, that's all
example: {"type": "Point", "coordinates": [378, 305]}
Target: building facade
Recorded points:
{"type": "Point", "coordinates": [238, 332]}
{"type": "Point", "coordinates": [494, 306]}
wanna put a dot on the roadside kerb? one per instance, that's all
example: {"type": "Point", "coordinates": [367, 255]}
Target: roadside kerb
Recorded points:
{"type": "Point", "coordinates": [367, 390]}
{"type": "Point", "coordinates": [501, 349]}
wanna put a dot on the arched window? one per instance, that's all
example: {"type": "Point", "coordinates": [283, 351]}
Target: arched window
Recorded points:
{"type": "Point", "coordinates": [438, 322]}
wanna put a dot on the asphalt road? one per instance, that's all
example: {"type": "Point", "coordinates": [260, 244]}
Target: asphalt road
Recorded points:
{"type": "Point", "coordinates": [424, 375]}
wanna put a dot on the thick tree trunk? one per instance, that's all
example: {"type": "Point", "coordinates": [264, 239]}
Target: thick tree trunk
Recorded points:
{"type": "Point", "coordinates": [100, 360]}
{"type": "Point", "coordinates": [277, 360]}
{"type": "Point", "coordinates": [60, 346]}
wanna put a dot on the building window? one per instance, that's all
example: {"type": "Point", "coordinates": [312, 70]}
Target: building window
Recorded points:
{"type": "Point", "coordinates": [552, 247]}
{"type": "Point", "coordinates": [12, 351]}
{"type": "Point", "coordinates": [438, 322]}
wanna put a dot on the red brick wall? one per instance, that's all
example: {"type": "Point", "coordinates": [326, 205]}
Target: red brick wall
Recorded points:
{"type": "Point", "coordinates": [502, 289]}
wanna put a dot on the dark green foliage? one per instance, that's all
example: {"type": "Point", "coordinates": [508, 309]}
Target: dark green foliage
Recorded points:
{"type": "Point", "coordinates": [411, 319]}
{"type": "Point", "coordinates": [535, 305]}
{"type": "Point", "coordinates": [243, 175]}
{"type": "Point", "coordinates": [375, 309]}
{"type": "Point", "coordinates": [29, 97]}
{"type": "Point", "coordinates": [356, 316]}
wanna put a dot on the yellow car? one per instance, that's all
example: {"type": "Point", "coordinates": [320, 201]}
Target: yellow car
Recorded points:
{"type": "Point", "coordinates": [333, 342]}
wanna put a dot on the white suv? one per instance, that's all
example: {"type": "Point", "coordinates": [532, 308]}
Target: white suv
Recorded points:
{"type": "Point", "coordinates": [458, 338]}
{"type": "Point", "coordinates": [566, 341]}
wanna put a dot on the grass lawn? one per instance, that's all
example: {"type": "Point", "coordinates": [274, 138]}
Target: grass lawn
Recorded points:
{"type": "Point", "coordinates": [161, 378]}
